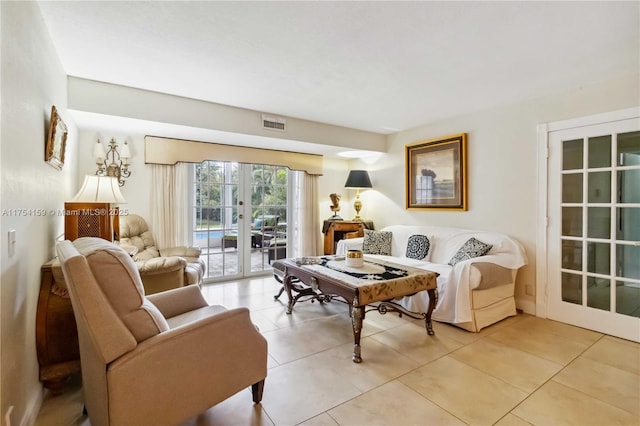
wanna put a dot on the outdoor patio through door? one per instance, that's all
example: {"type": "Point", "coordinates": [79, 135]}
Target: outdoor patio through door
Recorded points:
{"type": "Point", "coordinates": [240, 217]}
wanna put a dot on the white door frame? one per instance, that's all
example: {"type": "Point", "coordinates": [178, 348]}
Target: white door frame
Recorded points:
{"type": "Point", "coordinates": [542, 217]}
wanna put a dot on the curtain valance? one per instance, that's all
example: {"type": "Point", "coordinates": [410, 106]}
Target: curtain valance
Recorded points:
{"type": "Point", "coordinates": [159, 150]}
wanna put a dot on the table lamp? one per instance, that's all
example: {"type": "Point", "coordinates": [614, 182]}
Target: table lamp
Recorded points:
{"type": "Point", "coordinates": [358, 179]}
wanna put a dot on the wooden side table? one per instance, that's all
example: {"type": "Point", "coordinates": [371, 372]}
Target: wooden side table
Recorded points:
{"type": "Point", "coordinates": [336, 230]}
{"type": "Point", "coordinates": [56, 332]}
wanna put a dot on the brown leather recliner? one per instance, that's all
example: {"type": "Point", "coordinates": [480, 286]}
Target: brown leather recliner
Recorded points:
{"type": "Point", "coordinates": [160, 269]}
{"type": "Point", "coordinates": [153, 360]}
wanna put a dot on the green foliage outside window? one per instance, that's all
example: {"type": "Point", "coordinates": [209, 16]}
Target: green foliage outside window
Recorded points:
{"type": "Point", "coordinates": [216, 192]}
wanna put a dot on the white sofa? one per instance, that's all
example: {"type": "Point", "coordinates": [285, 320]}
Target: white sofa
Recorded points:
{"type": "Point", "coordinates": [472, 294]}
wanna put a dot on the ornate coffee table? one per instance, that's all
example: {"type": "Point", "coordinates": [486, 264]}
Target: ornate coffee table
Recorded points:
{"type": "Point", "coordinates": [371, 287]}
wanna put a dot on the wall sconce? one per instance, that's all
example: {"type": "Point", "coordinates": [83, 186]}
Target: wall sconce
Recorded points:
{"type": "Point", "coordinates": [358, 179]}
{"type": "Point", "coordinates": [113, 163]}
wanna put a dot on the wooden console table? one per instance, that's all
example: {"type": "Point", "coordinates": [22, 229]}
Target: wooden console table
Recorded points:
{"type": "Point", "coordinates": [56, 332]}
{"type": "Point", "coordinates": [336, 230]}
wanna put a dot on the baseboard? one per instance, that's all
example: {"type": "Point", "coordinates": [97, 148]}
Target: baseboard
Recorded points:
{"type": "Point", "coordinates": [526, 306]}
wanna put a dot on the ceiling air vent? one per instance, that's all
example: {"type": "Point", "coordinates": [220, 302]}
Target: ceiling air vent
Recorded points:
{"type": "Point", "coordinates": [273, 123]}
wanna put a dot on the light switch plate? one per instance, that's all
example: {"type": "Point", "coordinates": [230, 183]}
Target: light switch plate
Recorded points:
{"type": "Point", "coordinates": [12, 242]}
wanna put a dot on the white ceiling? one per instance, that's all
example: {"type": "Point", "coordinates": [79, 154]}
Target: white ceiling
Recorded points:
{"type": "Point", "coordinates": [376, 66]}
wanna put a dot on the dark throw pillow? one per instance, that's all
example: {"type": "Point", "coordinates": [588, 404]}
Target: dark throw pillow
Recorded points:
{"type": "Point", "coordinates": [417, 247]}
{"type": "Point", "coordinates": [472, 248]}
{"type": "Point", "coordinates": [377, 242]}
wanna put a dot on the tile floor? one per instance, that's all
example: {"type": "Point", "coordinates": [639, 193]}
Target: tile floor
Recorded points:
{"type": "Point", "coordinates": [523, 370]}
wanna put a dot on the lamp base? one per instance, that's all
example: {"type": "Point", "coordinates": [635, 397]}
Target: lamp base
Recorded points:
{"type": "Point", "coordinates": [357, 205]}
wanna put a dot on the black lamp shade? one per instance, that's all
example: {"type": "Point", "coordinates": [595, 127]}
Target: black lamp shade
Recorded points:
{"type": "Point", "coordinates": [358, 179]}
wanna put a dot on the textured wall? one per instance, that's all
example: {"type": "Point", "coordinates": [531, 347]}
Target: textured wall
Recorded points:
{"type": "Point", "coordinates": [32, 81]}
{"type": "Point", "coordinates": [502, 167]}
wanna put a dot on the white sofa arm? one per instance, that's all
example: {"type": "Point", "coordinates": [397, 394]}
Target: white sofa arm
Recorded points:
{"type": "Point", "coordinates": [349, 244]}
{"type": "Point", "coordinates": [484, 275]}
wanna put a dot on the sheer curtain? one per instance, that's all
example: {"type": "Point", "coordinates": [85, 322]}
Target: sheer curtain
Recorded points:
{"type": "Point", "coordinates": [170, 204]}
{"type": "Point", "coordinates": [304, 232]}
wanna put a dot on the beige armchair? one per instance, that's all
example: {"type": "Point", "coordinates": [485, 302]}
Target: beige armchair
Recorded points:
{"type": "Point", "coordinates": [153, 360]}
{"type": "Point", "coordinates": [160, 269]}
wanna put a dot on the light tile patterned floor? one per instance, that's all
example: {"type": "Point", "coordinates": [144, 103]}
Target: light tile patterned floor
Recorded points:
{"type": "Point", "coordinates": [521, 371]}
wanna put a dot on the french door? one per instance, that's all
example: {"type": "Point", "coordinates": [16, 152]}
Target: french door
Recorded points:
{"type": "Point", "coordinates": [593, 233]}
{"type": "Point", "coordinates": [240, 217]}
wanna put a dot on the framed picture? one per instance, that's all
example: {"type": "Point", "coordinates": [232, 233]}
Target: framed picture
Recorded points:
{"type": "Point", "coordinates": [56, 140]}
{"type": "Point", "coordinates": [436, 173]}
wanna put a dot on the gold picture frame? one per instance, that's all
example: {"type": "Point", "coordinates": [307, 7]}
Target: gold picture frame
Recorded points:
{"type": "Point", "coordinates": [436, 173]}
{"type": "Point", "coordinates": [56, 140]}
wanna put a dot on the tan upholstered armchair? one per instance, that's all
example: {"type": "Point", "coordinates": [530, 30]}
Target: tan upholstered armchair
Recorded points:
{"type": "Point", "coordinates": [160, 269]}
{"type": "Point", "coordinates": [153, 360]}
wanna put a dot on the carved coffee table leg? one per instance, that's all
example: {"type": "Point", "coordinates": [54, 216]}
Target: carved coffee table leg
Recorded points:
{"type": "Point", "coordinates": [277, 296]}
{"type": "Point", "coordinates": [357, 316]}
{"type": "Point", "coordinates": [287, 286]}
{"type": "Point", "coordinates": [433, 298]}
{"type": "Point", "coordinates": [280, 280]}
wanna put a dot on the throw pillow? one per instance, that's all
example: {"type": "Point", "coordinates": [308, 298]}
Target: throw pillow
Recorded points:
{"type": "Point", "coordinates": [472, 248]}
{"type": "Point", "coordinates": [417, 247]}
{"type": "Point", "coordinates": [377, 242]}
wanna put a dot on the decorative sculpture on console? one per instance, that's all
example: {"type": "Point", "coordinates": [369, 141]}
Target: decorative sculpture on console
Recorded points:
{"type": "Point", "coordinates": [335, 206]}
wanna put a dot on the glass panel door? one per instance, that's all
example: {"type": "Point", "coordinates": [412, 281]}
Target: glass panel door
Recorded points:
{"type": "Point", "coordinates": [216, 186]}
{"type": "Point", "coordinates": [594, 227]}
{"type": "Point", "coordinates": [240, 217]}
{"type": "Point", "coordinates": [268, 219]}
